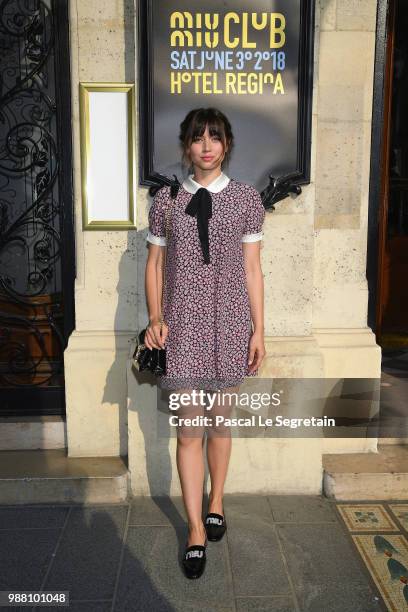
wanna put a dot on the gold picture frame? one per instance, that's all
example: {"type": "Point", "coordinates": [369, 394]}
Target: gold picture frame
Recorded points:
{"type": "Point", "coordinates": [108, 155]}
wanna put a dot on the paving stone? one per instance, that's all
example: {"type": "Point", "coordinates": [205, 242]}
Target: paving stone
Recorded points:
{"type": "Point", "coordinates": [87, 558]}
{"type": "Point", "coordinates": [25, 557]}
{"type": "Point", "coordinates": [157, 511]}
{"type": "Point", "coordinates": [301, 509]}
{"type": "Point", "coordinates": [81, 606]}
{"type": "Point", "coordinates": [264, 604]}
{"type": "Point", "coordinates": [153, 577]}
{"type": "Point", "coordinates": [12, 517]}
{"type": "Point", "coordinates": [256, 561]}
{"type": "Point", "coordinates": [326, 572]}
{"type": "Point", "coordinates": [246, 506]}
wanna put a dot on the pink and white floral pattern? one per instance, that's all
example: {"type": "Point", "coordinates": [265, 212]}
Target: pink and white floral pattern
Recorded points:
{"type": "Point", "coordinates": [206, 306]}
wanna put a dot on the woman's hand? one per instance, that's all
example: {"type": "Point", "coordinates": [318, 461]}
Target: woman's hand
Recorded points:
{"type": "Point", "coordinates": [256, 351]}
{"type": "Point", "coordinates": [153, 337]}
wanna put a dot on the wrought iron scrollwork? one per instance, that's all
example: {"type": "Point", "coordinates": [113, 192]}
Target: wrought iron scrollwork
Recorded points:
{"type": "Point", "coordinates": [161, 180]}
{"type": "Point", "coordinates": [279, 189]}
{"type": "Point", "coordinates": [31, 337]}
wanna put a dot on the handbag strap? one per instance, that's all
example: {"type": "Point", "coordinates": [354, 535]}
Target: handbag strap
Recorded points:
{"type": "Point", "coordinates": [167, 228]}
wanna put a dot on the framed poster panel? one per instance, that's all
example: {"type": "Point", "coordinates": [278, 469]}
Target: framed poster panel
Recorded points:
{"type": "Point", "coordinates": [108, 157]}
{"type": "Point", "coordinates": [253, 62]}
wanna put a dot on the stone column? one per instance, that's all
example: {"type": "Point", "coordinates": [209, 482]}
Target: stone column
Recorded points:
{"type": "Point", "coordinates": [102, 34]}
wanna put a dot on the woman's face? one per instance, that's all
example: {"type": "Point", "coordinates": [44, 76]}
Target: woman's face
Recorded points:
{"type": "Point", "coordinates": [206, 151]}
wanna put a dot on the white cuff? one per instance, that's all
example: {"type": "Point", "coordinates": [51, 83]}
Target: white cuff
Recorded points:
{"type": "Point", "coordinates": [251, 237]}
{"type": "Point", "coordinates": [160, 240]}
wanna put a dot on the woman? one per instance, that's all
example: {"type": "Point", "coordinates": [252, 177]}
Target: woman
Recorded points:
{"type": "Point", "coordinates": [213, 327]}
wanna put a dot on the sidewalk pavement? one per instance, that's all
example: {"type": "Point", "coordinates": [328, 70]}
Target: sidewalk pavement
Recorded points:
{"type": "Point", "coordinates": [280, 553]}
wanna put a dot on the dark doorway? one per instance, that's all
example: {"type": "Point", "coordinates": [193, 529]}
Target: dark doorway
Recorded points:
{"type": "Point", "coordinates": [37, 253]}
{"type": "Point", "coordinates": [392, 302]}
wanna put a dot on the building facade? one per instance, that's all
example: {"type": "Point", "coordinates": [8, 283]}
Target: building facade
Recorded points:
{"type": "Point", "coordinates": [314, 256]}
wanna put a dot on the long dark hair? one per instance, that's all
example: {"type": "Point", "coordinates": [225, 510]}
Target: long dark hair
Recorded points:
{"type": "Point", "coordinates": [194, 125]}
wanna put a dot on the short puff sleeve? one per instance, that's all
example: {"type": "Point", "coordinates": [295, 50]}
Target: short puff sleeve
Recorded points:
{"type": "Point", "coordinates": [157, 218]}
{"type": "Point", "coordinates": [255, 216]}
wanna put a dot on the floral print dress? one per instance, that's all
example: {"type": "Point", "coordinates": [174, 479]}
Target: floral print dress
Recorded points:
{"type": "Point", "coordinates": [206, 306]}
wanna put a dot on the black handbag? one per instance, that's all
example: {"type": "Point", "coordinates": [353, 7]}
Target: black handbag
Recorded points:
{"type": "Point", "coordinates": [154, 359]}
{"type": "Point", "coordinates": [146, 359]}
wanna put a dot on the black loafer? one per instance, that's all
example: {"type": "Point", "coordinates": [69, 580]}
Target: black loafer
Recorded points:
{"type": "Point", "coordinates": [194, 560]}
{"type": "Point", "coordinates": [215, 526]}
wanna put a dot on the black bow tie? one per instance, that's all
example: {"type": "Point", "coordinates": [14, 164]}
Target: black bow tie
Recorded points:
{"type": "Point", "coordinates": [201, 205]}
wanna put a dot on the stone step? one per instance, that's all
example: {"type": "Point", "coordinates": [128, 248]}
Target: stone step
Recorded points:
{"type": "Point", "coordinates": [362, 476]}
{"type": "Point", "coordinates": [32, 432]}
{"type": "Point", "coordinates": [42, 476]}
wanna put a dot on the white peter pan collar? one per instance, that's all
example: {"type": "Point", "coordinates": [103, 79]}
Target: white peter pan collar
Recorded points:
{"type": "Point", "coordinates": [190, 185]}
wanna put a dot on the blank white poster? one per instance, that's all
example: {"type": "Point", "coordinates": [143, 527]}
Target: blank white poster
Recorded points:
{"type": "Point", "coordinates": [108, 160]}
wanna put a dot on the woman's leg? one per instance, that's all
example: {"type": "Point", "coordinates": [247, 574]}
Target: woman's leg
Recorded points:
{"type": "Point", "coordinates": [190, 465]}
{"type": "Point", "coordinates": [219, 448]}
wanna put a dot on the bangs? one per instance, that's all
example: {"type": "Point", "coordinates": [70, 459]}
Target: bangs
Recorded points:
{"type": "Point", "coordinates": [215, 126]}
